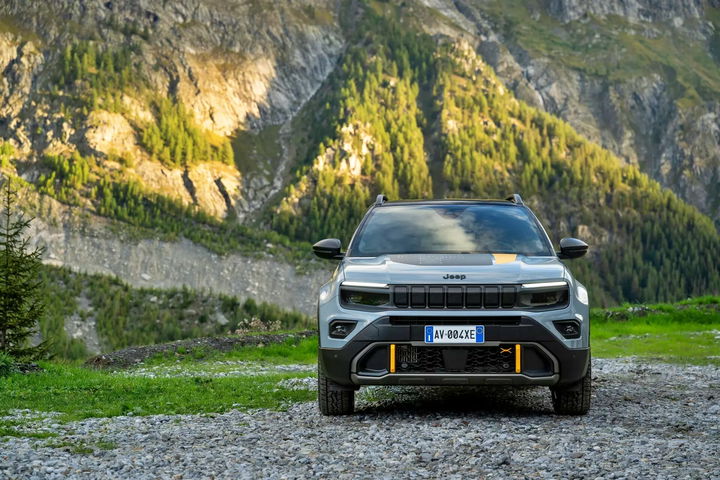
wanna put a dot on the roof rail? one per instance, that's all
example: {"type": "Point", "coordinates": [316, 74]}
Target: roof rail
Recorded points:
{"type": "Point", "coordinates": [515, 198]}
{"type": "Point", "coordinates": [380, 200]}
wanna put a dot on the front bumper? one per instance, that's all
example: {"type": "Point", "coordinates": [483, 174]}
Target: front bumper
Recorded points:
{"type": "Point", "coordinates": [544, 359]}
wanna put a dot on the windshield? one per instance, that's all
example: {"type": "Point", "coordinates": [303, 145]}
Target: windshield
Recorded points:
{"type": "Point", "coordinates": [450, 228]}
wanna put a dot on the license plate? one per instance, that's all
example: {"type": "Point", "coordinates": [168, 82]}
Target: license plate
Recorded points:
{"type": "Point", "coordinates": [454, 334]}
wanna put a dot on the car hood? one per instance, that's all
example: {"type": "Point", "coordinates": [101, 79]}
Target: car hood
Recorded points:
{"type": "Point", "coordinates": [452, 268]}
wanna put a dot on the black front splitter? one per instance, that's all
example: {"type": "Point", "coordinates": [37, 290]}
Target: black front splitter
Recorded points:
{"type": "Point", "coordinates": [453, 379]}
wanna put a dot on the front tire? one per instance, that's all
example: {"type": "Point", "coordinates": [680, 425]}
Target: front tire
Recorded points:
{"type": "Point", "coordinates": [333, 399]}
{"type": "Point", "coordinates": [573, 399]}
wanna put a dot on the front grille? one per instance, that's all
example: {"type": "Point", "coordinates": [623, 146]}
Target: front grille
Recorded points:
{"type": "Point", "coordinates": [412, 359]}
{"type": "Point", "coordinates": [446, 320]}
{"type": "Point", "coordinates": [455, 296]}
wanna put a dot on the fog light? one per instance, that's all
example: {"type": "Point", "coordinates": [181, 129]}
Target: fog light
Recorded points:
{"type": "Point", "coordinates": [568, 328]}
{"type": "Point", "coordinates": [341, 328]}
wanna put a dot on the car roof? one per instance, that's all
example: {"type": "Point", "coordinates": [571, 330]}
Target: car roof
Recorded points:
{"type": "Point", "coordinates": [450, 202]}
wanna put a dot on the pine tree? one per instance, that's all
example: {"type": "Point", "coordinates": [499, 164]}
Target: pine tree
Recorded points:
{"type": "Point", "coordinates": [21, 305]}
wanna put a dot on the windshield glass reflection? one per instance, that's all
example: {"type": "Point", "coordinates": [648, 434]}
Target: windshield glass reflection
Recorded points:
{"type": "Point", "coordinates": [459, 228]}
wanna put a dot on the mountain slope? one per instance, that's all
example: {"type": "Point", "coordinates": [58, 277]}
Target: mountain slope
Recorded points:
{"type": "Point", "coordinates": [641, 77]}
{"type": "Point", "coordinates": [249, 126]}
{"type": "Point", "coordinates": [648, 244]}
{"type": "Point", "coordinates": [150, 92]}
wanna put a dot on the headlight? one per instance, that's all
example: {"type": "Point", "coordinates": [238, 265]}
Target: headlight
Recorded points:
{"type": "Point", "coordinates": [364, 295]}
{"type": "Point", "coordinates": [582, 294]}
{"type": "Point", "coordinates": [543, 295]}
{"type": "Point", "coordinates": [324, 293]}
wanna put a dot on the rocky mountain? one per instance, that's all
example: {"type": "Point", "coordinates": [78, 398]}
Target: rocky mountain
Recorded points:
{"type": "Point", "coordinates": [237, 68]}
{"type": "Point", "coordinates": [204, 143]}
{"type": "Point", "coordinates": [233, 65]}
{"type": "Point", "coordinates": [640, 77]}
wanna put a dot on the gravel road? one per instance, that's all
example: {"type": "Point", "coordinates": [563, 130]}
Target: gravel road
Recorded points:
{"type": "Point", "coordinates": [648, 421]}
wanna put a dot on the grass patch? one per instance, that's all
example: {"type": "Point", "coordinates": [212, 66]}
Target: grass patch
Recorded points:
{"type": "Point", "coordinates": [292, 350]}
{"type": "Point", "coordinates": [106, 445]}
{"type": "Point", "coordinates": [681, 347]}
{"type": "Point", "coordinates": [688, 332]}
{"type": "Point", "coordinates": [82, 448]}
{"type": "Point", "coordinates": [79, 393]}
{"type": "Point", "coordinates": [8, 429]}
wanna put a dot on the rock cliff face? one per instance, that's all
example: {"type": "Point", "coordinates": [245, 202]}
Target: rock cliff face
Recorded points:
{"type": "Point", "coordinates": [632, 10]}
{"type": "Point", "coordinates": [619, 71]}
{"type": "Point", "coordinates": [235, 63]}
{"type": "Point", "coordinates": [154, 263]}
{"type": "Point", "coordinates": [237, 66]}
{"type": "Point", "coordinates": [83, 243]}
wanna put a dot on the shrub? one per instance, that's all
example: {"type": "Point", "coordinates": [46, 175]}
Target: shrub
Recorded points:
{"type": "Point", "coordinates": [7, 364]}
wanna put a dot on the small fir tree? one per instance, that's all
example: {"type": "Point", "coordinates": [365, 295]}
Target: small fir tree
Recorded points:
{"type": "Point", "coordinates": [21, 305]}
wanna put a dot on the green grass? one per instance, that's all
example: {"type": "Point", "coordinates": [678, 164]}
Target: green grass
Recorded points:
{"type": "Point", "coordinates": [80, 447]}
{"type": "Point", "coordinates": [7, 429]}
{"type": "Point", "coordinates": [79, 393]}
{"type": "Point", "coordinates": [681, 347]}
{"type": "Point", "coordinates": [292, 350]}
{"type": "Point", "coordinates": [106, 445]}
{"type": "Point", "coordinates": [684, 333]}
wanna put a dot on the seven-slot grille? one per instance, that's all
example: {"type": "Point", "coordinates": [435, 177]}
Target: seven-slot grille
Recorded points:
{"type": "Point", "coordinates": [455, 296]}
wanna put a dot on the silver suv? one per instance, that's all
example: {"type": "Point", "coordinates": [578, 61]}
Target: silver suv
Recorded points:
{"type": "Point", "coordinates": [466, 292]}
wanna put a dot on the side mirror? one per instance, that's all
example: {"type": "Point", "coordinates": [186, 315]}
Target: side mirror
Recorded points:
{"type": "Point", "coordinates": [329, 249]}
{"type": "Point", "coordinates": [572, 248]}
